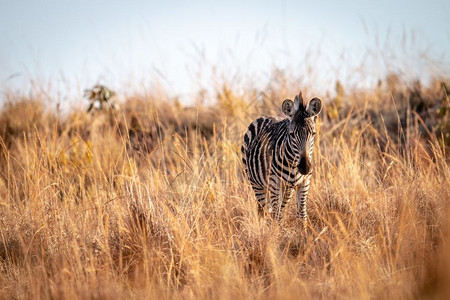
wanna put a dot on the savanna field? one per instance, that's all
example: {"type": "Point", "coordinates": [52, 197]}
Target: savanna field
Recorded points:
{"type": "Point", "coordinates": [150, 200]}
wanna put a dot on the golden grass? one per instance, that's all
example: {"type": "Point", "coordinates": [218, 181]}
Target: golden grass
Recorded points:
{"type": "Point", "coordinates": [86, 211]}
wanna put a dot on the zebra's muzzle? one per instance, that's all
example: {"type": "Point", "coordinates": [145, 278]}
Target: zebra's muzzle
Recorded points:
{"type": "Point", "coordinates": [305, 165]}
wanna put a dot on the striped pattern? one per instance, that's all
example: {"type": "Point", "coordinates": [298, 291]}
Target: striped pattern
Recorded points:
{"type": "Point", "coordinates": [277, 156]}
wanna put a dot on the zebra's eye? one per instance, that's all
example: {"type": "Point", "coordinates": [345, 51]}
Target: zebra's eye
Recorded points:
{"type": "Point", "coordinates": [314, 133]}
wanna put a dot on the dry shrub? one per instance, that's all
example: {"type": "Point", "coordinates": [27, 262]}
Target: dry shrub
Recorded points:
{"type": "Point", "coordinates": [150, 201]}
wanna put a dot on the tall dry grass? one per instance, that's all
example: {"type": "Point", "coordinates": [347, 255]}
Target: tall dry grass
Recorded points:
{"type": "Point", "coordinates": [150, 201]}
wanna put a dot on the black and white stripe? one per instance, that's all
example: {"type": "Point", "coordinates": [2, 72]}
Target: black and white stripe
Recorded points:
{"type": "Point", "coordinates": [277, 155]}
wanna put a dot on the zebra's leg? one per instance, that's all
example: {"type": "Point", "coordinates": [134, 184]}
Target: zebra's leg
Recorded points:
{"type": "Point", "coordinates": [287, 196]}
{"type": "Point", "coordinates": [279, 197]}
{"type": "Point", "coordinates": [302, 195]}
{"type": "Point", "coordinates": [260, 194]}
{"type": "Point", "coordinates": [274, 209]}
{"type": "Point", "coordinates": [274, 191]}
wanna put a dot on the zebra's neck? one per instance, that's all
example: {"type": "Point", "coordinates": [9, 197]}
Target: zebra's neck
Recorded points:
{"type": "Point", "coordinates": [282, 146]}
{"type": "Point", "coordinates": [289, 152]}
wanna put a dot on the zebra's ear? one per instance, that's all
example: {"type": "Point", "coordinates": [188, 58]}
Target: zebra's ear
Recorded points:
{"type": "Point", "coordinates": [314, 107]}
{"type": "Point", "coordinates": [288, 108]}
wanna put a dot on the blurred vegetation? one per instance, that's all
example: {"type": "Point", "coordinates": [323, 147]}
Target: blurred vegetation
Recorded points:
{"type": "Point", "coordinates": [149, 200]}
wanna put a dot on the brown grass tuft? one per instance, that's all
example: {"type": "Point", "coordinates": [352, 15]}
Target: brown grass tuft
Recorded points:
{"type": "Point", "coordinates": [150, 201]}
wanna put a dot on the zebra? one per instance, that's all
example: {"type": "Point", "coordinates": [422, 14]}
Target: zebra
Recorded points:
{"type": "Point", "coordinates": [277, 156]}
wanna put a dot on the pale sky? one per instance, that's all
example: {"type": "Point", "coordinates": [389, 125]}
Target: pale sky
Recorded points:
{"type": "Point", "coordinates": [125, 44]}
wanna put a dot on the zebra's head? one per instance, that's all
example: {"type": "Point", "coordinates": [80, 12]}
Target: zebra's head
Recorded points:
{"type": "Point", "coordinates": [302, 129]}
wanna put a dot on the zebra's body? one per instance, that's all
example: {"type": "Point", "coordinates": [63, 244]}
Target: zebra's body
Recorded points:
{"type": "Point", "coordinates": [277, 155]}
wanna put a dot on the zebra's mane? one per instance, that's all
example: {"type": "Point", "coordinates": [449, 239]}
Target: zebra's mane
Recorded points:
{"type": "Point", "coordinates": [302, 104]}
